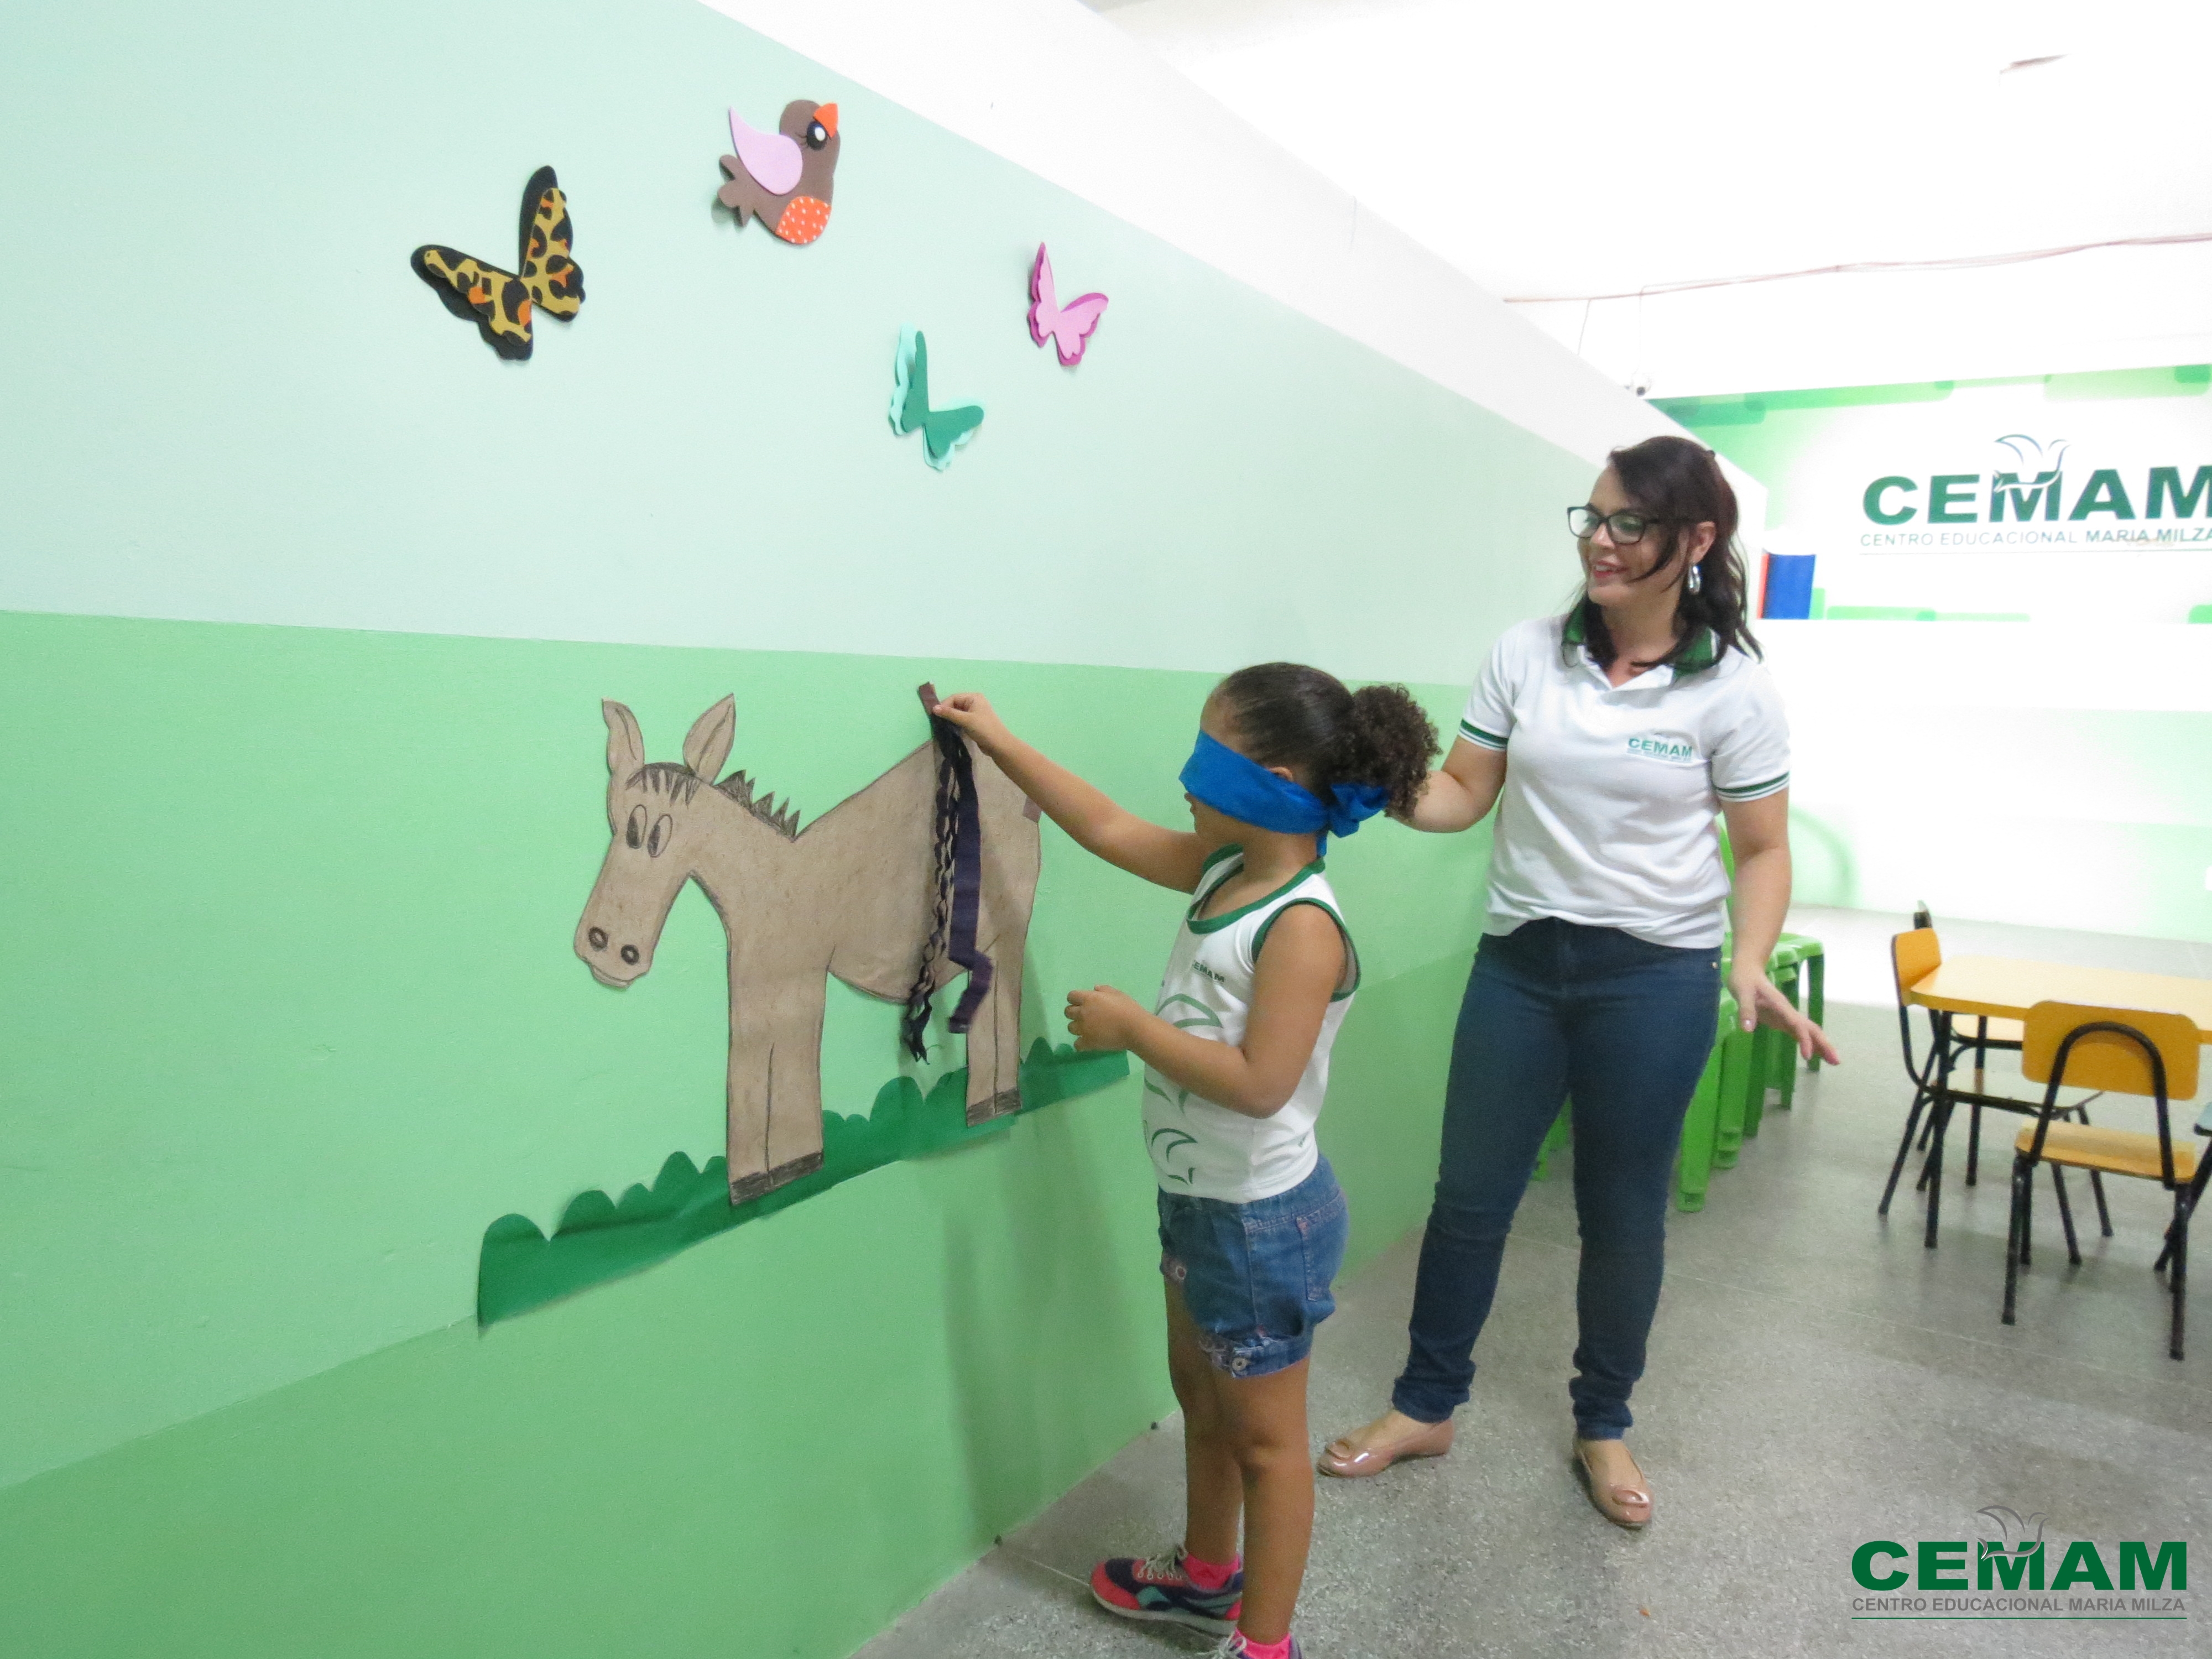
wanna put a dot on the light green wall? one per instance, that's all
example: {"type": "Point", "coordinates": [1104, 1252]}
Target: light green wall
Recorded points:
{"type": "Point", "coordinates": [702, 457]}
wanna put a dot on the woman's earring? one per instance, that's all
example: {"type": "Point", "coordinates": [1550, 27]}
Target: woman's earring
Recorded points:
{"type": "Point", "coordinates": [1697, 578]}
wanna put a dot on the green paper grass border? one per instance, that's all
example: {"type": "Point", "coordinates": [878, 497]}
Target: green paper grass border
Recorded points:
{"type": "Point", "coordinates": [598, 1239]}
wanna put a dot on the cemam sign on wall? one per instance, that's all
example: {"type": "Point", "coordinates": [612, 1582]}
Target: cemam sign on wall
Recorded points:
{"type": "Point", "coordinates": [2100, 507]}
{"type": "Point", "coordinates": [1982, 501]}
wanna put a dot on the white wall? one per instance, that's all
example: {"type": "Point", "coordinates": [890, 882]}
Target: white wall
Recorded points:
{"type": "Point", "coordinates": [2055, 774]}
{"type": "Point", "coordinates": [2113, 308]}
{"type": "Point", "coordinates": [1592, 147]}
{"type": "Point", "coordinates": [1056, 88]}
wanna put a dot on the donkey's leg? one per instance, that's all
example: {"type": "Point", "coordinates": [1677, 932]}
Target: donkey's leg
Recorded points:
{"type": "Point", "coordinates": [995, 1039]}
{"type": "Point", "coordinates": [794, 1122]}
{"type": "Point", "coordinates": [774, 1091]}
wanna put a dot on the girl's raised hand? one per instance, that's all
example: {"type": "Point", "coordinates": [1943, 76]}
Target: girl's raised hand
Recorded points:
{"type": "Point", "coordinates": [972, 712]}
{"type": "Point", "coordinates": [1102, 1017]}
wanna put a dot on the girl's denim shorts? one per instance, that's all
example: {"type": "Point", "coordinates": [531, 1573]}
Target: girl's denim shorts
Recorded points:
{"type": "Point", "coordinates": [1256, 1276]}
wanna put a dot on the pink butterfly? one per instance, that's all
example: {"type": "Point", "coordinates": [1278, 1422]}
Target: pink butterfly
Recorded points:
{"type": "Point", "coordinates": [1069, 325]}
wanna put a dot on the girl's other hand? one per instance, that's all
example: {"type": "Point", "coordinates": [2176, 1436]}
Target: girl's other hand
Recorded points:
{"type": "Point", "coordinates": [1758, 1003]}
{"type": "Point", "coordinates": [972, 712]}
{"type": "Point", "coordinates": [1102, 1017]}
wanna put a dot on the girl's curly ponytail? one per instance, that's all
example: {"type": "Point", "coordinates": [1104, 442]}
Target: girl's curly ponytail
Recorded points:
{"type": "Point", "coordinates": [1391, 741]}
{"type": "Point", "coordinates": [1289, 714]}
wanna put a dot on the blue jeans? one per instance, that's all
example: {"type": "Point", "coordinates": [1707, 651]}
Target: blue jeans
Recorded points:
{"type": "Point", "coordinates": [1257, 1277]}
{"type": "Point", "coordinates": [1623, 1027]}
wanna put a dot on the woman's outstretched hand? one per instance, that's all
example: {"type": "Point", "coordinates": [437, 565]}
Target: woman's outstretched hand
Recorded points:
{"type": "Point", "coordinates": [1758, 1003]}
{"type": "Point", "coordinates": [972, 712]}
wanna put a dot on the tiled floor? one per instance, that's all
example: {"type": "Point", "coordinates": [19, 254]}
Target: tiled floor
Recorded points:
{"type": "Point", "coordinates": [1817, 1379]}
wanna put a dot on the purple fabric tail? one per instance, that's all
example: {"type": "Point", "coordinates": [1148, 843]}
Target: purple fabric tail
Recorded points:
{"type": "Point", "coordinates": [957, 865]}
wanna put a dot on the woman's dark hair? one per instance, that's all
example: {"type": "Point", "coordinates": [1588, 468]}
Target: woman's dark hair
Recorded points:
{"type": "Point", "coordinates": [1288, 715]}
{"type": "Point", "coordinates": [1679, 483]}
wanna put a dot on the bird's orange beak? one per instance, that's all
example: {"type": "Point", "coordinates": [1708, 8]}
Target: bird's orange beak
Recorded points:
{"type": "Point", "coordinates": [826, 114]}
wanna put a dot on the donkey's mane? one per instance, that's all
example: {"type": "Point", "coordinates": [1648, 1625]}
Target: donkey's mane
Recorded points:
{"type": "Point", "coordinates": [674, 778]}
{"type": "Point", "coordinates": [784, 819]}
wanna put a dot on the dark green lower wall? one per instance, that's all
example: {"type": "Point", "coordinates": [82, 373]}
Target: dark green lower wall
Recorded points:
{"type": "Point", "coordinates": [641, 1470]}
{"type": "Point", "coordinates": [290, 1012]}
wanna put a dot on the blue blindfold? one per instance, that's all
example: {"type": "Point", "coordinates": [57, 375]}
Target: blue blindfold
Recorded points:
{"type": "Point", "coordinates": [1243, 789]}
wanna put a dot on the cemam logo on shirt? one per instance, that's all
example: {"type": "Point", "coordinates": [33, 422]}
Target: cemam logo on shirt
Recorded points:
{"type": "Point", "coordinates": [1671, 747]}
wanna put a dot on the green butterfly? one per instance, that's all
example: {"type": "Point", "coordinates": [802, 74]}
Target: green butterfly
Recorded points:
{"type": "Point", "coordinates": [943, 430]}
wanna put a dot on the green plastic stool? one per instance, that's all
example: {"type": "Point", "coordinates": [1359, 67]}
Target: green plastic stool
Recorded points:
{"type": "Point", "coordinates": [1792, 951]}
{"type": "Point", "coordinates": [1809, 957]}
{"type": "Point", "coordinates": [1799, 970]}
{"type": "Point", "coordinates": [1798, 967]}
{"type": "Point", "coordinates": [1730, 1101]}
{"type": "Point", "coordinates": [1759, 1066]}
{"type": "Point", "coordinates": [1560, 1133]}
{"type": "Point", "coordinates": [1741, 1081]}
{"type": "Point", "coordinates": [1701, 1128]}
{"type": "Point", "coordinates": [1774, 1056]}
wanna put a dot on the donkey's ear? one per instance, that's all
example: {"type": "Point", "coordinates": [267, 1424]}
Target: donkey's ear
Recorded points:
{"type": "Point", "coordinates": [708, 743]}
{"type": "Point", "coordinates": [625, 742]}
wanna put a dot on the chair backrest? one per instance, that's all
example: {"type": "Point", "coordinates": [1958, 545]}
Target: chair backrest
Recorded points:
{"type": "Point", "coordinates": [2111, 1061]}
{"type": "Point", "coordinates": [1912, 957]}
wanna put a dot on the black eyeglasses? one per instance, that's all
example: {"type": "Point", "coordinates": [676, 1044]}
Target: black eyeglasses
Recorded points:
{"type": "Point", "coordinates": [1625, 528]}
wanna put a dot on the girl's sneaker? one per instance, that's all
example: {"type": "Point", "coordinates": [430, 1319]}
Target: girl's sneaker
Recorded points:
{"type": "Point", "coordinates": [1233, 1647]}
{"type": "Point", "coordinates": [1159, 1588]}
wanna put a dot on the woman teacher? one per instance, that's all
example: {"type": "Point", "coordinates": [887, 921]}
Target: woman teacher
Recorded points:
{"type": "Point", "coordinates": [1608, 738]}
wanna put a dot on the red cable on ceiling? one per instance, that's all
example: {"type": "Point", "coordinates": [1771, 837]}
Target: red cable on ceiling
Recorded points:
{"type": "Point", "coordinates": [1864, 267]}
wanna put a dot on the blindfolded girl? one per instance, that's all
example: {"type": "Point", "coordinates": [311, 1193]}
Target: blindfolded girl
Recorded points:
{"type": "Point", "coordinates": [1236, 1053]}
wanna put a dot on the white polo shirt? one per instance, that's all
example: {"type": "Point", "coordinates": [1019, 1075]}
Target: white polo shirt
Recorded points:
{"type": "Point", "coordinates": [1606, 818]}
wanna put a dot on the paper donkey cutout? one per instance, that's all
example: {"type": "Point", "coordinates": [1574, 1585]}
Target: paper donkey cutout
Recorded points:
{"type": "Point", "coordinates": [943, 430]}
{"type": "Point", "coordinates": [500, 302]}
{"type": "Point", "coordinates": [1067, 327]}
{"type": "Point", "coordinates": [858, 893]}
{"type": "Point", "coordinates": [783, 178]}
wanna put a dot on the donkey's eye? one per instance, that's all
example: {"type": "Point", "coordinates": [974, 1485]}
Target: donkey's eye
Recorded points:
{"type": "Point", "coordinates": [634, 835]}
{"type": "Point", "coordinates": [662, 829]}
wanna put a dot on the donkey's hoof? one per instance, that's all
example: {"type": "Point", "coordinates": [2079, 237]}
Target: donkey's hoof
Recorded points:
{"type": "Point", "coordinates": [746, 1188]}
{"type": "Point", "coordinates": [1004, 1103]}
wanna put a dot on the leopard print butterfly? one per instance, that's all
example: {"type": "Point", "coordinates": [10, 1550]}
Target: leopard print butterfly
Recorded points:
{"type": "Point", "coordinates": [501, 301]}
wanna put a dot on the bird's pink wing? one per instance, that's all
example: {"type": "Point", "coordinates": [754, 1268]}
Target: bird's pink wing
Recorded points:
{"type": "Point", "coordinates": [773, 160]}
{"type": "Point", "coordinates": [1070, 329]}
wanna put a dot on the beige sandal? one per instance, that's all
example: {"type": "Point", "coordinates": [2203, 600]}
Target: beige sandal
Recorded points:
{"type": "Point", "coordinates": [1617, 1503]}
{"type": "Point", "coordinates": [1348, 1461]}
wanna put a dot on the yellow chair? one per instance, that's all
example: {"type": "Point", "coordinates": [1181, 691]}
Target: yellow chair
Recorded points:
{"type": "Point", "coordinates": [1912, 957]}
{"type": "Point", "coordinates": [2120, 1051]}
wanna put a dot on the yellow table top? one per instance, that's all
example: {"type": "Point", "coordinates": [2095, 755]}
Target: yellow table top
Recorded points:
{"type": "Point", "coordinates": [2005, 987]}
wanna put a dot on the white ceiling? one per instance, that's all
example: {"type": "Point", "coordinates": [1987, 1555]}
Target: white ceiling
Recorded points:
{"type": "Point", "coordinates": [1599, 147]}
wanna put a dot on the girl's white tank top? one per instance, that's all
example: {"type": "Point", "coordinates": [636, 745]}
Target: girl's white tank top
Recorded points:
{"type": "Point", "coordinates": [1198, 1148]}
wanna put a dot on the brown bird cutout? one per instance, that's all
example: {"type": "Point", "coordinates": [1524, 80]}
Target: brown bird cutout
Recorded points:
{"type": "Point", "coordinates": [783, 178]}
